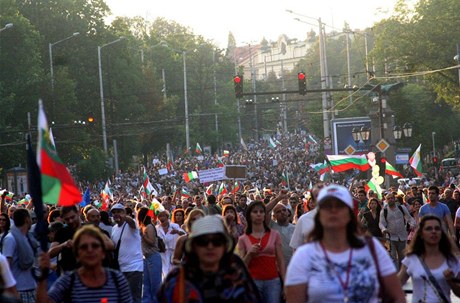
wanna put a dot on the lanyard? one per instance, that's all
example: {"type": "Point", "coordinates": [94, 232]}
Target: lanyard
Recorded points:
{"type": "Point", "coordinates": [332, 266]}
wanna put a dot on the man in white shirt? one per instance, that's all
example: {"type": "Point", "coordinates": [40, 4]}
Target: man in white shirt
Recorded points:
{"type": "Point", "coordinates": [130, 255]}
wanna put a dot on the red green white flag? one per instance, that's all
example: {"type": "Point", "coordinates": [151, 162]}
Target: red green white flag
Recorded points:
{"type": "Point", "coordinates": [198, 149]}
{"type": "Point", "coordinates": [190, 176]}
{"type": "Point", "coordinates": [285, 178]}
{"type": "Point", "coordinates": [148, 187]}
{"type": "Point", "coordinates": [58, 186]}
{"type": "Point", "coordinates": [226, 153]}
{"type": "Point", "coordinates": [375, 187]}
{"type": "Point", "coordinates": [416, 161]}
{"type": "Point", "coordinates": [341, 163]}
{"type": "Point", "coordinates": [236, 187]}
{"type": "Point", "coordinates": [155, 208]}
{"type": "Point", "coordinates": [9, 195]}
{"type": "Point", "coordinates": [222, 189]}
{"type": "Point", "coordinates": [390, 170]}
{"type": "Point", "coordinates": [184, 193]}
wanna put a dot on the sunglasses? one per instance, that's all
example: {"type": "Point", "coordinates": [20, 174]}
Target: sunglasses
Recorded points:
{"type": "Point", "coordinates": [204, 241]}
{"type": "Point", "coordinates": [431, 228]}
{"type": "Point", "coordinates": [86, 246]}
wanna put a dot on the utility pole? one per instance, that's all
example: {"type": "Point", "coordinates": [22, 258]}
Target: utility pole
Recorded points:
{"type": "Point", "coordinates": [323, 80]}
{"type": "Point", "coordinates": [253, 78]}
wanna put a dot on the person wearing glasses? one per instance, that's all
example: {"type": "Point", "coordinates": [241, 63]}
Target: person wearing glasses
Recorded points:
{"type": "Point", "coordinates": [431, 262]}
{"type": "Point", "coordinates": [211, 272]}
{"type": "Point", "coordinates": [337, 264]}
{"type": "Point", "coordinates": [90, 282]}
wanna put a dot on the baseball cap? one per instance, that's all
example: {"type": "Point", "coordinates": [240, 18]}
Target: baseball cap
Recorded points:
{"type": "Point", "coordinates": [211, 224]}
{"type": "Point", "coordinates": [117, 206]}
{"type": "Point", "coordinates": [335, 191]}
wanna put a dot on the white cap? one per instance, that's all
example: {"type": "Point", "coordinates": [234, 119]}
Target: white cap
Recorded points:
{"type": "Point", "coordinates": [117, 206]}
{"type": "Point", "coordinates": [336, 191]}
{"type": "Point", "coordinates": [211, 224]}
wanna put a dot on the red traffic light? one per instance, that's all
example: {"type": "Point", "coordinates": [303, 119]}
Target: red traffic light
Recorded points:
{"type": "Point", "coordinates": [301, 76]}
{"type": "Point", "coordinates": [237, 79]}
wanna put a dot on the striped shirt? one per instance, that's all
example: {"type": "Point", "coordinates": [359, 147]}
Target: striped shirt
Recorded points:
{"type": "Point", "coordinates": [114, 291]}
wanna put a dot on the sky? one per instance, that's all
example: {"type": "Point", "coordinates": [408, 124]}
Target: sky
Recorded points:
{"type": "Point", "coordinates": [252, 20]}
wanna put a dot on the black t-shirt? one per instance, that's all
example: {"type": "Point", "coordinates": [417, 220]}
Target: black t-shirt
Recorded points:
{"type": "Point", "coordinates": [66, 260]}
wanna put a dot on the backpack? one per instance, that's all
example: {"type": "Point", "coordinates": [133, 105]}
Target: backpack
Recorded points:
{"type": "Point", "coordinates": [385, 214]}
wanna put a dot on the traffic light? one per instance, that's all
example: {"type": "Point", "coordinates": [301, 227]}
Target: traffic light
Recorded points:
{"type": "Point", "coordinates": [238, 82]}
{"type": "Point", "coordinates": [380, 161]}
{"type": "Point", "coordinates": [90, 119]}
{"type": "Point", "coordinates": [302, 83]}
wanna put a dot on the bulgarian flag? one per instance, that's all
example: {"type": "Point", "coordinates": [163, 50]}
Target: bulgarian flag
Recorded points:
{"type": "Point", "coordinates": [209, 189]}
{"type": "Point", "coordinates": [416, 162]}
{"type": "Point", "coordinates": [184, 193]}
{"type": "Point", "coordinates": [285, 178]}
{"type": "Point", "coordinates": [155, 208]}
{"type": "Point", "coordinates": [148, 187]}
{"type": "Point", "coordinates": [375, 187]}
{"type": "Point", "coordinates": [169, 165]}
{"type": "Point", "coordinates": [222, 189]}
{"type": "Point", "coordinates": [220, 163]}
{"type": "Point", "coordinates": [106, 192]}
{"type": "Point", "coordinates": [341, 163]}
{"type": "Point", "coordinates": [236, 187]}
{"type": "Point", "coordinates": [190, 176]}
{"type": "Point", "coordinates": [271, 143]}
{"type": "Point", "coordinates": [321, 168]}
{"type": "Point", "coordinates": [58, 186]}
{"type": "Point", "coordinates": [198, 149]}
{"type": "Point", "coordinates": [390, 170]}
{"type": "Point", "coordinates": [9, 195]}
{"type": "Point", "coordinates": [226, 153]}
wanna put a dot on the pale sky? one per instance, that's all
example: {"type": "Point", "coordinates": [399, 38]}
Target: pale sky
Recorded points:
{"type": "Point", "coordinates": [251, 20]}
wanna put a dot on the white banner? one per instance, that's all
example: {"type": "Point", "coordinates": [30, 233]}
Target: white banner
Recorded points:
{"type": "Point", "coordinates": [163, 171]}
{"type": "Point", "coordinates": [211, 175]}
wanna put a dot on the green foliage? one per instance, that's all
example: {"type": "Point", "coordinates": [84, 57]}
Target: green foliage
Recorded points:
{"type": "Point", "coordinates": [93, 166]}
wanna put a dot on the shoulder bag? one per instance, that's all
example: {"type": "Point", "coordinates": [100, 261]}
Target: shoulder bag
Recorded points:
{"type": "Point", "coordinates": [382, 297]}
{"type": "Point", "coordinates": [437, 288]}
{"type": "Point", "coordinates": [115, 263]}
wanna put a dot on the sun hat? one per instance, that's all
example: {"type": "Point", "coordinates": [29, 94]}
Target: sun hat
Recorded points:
{"type": "Point", "coordinates": [335, 191]}
{"type": "Point", "coordinates": [211, 224]}
{"type": "Point", "coordinates": [117, 206]}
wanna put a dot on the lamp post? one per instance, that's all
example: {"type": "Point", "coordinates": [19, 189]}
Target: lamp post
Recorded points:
{"type": "Point", "coordinates": [457, 58]}
{"type": "Point", "coordinates": [50, 49]}
{"type": "Point", "coordinates": [101, 89]}
{"type": "Point", "coordinates": [361, 135]}
{"type": "Point", "coordinates": [187, 127]}
{"type": "Point", "coordinates": [7, 26]}
{"type": "Point", "coordinates": [399, 131]}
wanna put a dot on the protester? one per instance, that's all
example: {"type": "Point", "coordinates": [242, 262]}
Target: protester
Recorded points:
{"type": "Point", "coordinates": [20, 248]}
{"type": "Point", "coordinates": [232, 221]}
{"type": "Point", "coordinates": [438, 209]}
{"type": "Point", "coordinates": [127, 236]}
{"type": "Point", "coordinates": [178, 216]}
{"type": "Point", "coordinates": [261, 250]}
{"type": "Point", "coordinates": [90, 282]}
{"type": "Point", "coordinates": [431, 263]}
{"type": "Point", "coordinates": [211, 272]}
{"type": "Point", "coordinates": [179, 250]}
{"type": "Point", "coordinates": [337, 265]}
{"type": "Point", "coordinates": [4, 228]}
{"type": "Point", "coordinates": [169, 232]}
{"type": "Point", "coordinates": [152, 258]}
{"type": "Point", "coordinates": [371, 218]}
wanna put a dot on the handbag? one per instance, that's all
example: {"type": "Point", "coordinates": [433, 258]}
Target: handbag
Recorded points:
{"type": "Point", "coordinates": [433, 282]}
{"type": "Point", "coordinates": [382, 297]}
{"type": "Point", "coordinates": [161, 245]}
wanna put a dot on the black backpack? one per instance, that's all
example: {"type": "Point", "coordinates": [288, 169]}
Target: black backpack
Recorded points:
{"type": "Point", "coordinates": [385, 214]}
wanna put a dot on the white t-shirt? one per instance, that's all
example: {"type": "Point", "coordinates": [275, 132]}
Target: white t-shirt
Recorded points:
{"type": "Point", "coordinates": [7, 276]}
{"type": "Point", "coordinates": [303, 227]}
{"type": "Point", "coordinates": [130, 255]}
{"type": "Point", "coordinates": [422, 288]}
{"type": "Point", "coordinates": [310, 266]}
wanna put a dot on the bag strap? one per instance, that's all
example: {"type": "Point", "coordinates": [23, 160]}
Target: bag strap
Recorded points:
{"type": "Point", "coordinates": [117, 249]}
{"type": "Point", "coordinates": [433, 281]}
{"type": "Point", "coordinates": [370, 243]}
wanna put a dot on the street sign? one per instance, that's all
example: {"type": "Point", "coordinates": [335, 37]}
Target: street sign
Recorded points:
{"type": "Point", "coordinates": [350, 150]}
{"type": "Point", "coordinates": [382, 145]}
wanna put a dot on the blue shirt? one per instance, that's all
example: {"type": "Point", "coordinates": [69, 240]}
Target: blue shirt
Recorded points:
{"type": "Point", "coordinates": [440, 210]}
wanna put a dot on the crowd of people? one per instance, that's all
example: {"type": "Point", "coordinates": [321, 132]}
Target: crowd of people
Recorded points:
{"type": "Point", "coordinates": [311, 241]}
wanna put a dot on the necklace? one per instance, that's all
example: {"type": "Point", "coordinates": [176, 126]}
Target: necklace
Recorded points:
{"type": "Point", "coordinates": [331, 265]}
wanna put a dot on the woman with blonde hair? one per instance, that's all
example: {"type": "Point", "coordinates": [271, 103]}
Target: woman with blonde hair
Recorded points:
{"type": "Point", "coordinates": [178, 254]}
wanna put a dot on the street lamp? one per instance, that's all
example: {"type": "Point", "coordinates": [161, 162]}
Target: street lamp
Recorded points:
{"type": "Point", "coordinates": [7, 26]}
{"type": "Point", "coordinates": [50, 49]}
{"type": "Point", "coordinates": [406, 130]}
{"type": "Point", "coordinates": [187, 127]}
{"type": "Point", "coordinates": [360, 135]}
{"type": "Point", "coordinates": [101, 88]}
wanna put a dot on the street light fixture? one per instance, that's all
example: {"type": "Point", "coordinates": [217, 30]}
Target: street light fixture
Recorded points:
{"type": "Point", "coordinates": [361, 134]}
{"type": "Point", "coordinates": [7, 26]}
{"type": "Point", "coordinates": [406, 130]}
{"type": "Point", "coordinates": [101, 88]}
{"type": "Point", "coordinates": [50, 49]}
